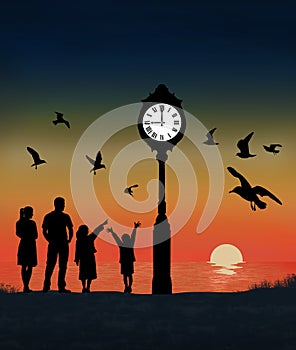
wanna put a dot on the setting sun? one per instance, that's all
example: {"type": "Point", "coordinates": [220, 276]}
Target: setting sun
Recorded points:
{"type": "Point", "coordinates": [226, 255]}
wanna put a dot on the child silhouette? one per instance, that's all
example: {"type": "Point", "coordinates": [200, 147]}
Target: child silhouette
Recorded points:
{"type": "Point", "coordinates": [85, 254]}
{"type": "Point", "coordinates": [127, 256]}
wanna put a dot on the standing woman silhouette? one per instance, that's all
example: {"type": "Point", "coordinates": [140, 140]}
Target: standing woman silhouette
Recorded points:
{"type": "Point", "coordinates": [26, 230]}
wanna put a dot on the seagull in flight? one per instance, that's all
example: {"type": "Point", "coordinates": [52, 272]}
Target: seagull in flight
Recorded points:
{"type": "Point", "coordinates": [243, 146]}
{"type": "Point", "coordinates": [61, 120]}
{"type": "Point", "coordinates": [36, 158]}
{"type": "Point", "coordinates": [249, 193]}
{"type": "Point", "coordinates": [272, 148]}
{"type": "Point", "coordinates": [129, 190]}
{"type": "Point", "coordinates": [96, 163]}
{"type": "Point", "coordinates": [210, 140]}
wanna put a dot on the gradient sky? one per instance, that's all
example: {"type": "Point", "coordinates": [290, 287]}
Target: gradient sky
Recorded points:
{"type": "Point", "coordinates": [233, 65]}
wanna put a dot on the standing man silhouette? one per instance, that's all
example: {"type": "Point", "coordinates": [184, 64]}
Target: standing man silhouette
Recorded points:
{"type": "Point", "coordinates": [55, 226]}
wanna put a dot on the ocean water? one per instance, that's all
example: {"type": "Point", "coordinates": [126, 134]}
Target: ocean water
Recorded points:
{"type": "Point", "coordinates": [186, 276]}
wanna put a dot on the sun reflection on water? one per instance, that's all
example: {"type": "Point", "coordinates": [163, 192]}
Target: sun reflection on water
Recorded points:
{"type": "Point", "coordinates": [228, 269]}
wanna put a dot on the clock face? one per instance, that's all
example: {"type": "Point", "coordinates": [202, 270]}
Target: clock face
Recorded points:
{"type": "Point", "coordinates": [162, 122]}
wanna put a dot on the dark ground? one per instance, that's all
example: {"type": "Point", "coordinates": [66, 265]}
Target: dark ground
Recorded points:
{"type": "Point", "coordinates": [259, 319]}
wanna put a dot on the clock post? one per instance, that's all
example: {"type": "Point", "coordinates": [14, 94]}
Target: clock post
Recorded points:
{"type": "Point", "coordinates": [161, 282]}
{"type": "Point", "coordinates": [162, 125]}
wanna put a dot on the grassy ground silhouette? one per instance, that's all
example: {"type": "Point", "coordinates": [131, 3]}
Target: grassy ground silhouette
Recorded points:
{"type": "Point", "coordinates": [288, 282]}
{"type": "Point", "coordinates": [7, 288]}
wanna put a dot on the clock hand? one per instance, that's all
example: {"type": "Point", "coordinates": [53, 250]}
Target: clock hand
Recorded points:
{"type": "Point", "coordinates": [161, 117]}
{"type": "Point", "coordinates": [158, 123]}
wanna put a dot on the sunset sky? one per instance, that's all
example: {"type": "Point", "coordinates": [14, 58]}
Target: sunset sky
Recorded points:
{"type": "Point", "coordinates": [232, 63]}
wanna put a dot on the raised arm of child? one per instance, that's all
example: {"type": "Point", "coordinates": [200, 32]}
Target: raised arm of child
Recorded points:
{"type": "Point", "coordinates": [133, 235]}
{"type": "Point", "coordinates": [115, 236]}
{"type": "Point", "coordinates": [100, 228]}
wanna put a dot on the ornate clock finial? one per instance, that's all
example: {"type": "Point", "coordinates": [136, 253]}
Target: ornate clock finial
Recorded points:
{"type": "Point", "coordinates": [162, 94]}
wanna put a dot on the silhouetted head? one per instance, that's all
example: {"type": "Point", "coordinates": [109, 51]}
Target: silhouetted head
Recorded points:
{"type": "Point", "coordinates": [26, 212]}
{"type": "Point", "coordinates": [59, 204]}
{"type": "Point", "coordinates": [236, 189]}
{"type": "Point", "coordinates": [82, 231]}
{"type": "Point", "coordinates": [100, 166]}
{"type": "Point", "coordinates": [126, 239]}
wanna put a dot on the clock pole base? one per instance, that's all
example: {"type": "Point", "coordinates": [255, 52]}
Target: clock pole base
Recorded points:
{"type": "Point", "coordinates": [161, 282]}
{"type": "Point", "coordinates": [162, 285]}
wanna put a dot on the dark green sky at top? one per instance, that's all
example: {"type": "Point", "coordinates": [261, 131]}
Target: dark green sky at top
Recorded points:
{"type": "Point", "coordinates": [85, 54]}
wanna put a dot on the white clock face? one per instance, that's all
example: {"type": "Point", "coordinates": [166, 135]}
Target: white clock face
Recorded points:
{"type": "Point", "coordinates": [162, 122]}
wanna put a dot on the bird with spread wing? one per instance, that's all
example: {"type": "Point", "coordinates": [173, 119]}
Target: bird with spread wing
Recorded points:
{"type": "Point", "coordinates": [243, 146]}
{"type": "Point", "coordinates": [129, 190]}
{"type": "Point", "coordinates": [61, 120]}
{"type": "Point", "coordinates": [36, 157]}
{"type": "Point", "coordinates": [249, 193]}
{"type": "Point", "coordinates": [272, 148]}
{"type": "Point", "coordinates": [97, 163]}
{"type": "Point", "coordinates": [210, 140]}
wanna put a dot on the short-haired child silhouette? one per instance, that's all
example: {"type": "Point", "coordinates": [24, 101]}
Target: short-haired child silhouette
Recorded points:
{"type": "Point", "coordinates": [127, 256]}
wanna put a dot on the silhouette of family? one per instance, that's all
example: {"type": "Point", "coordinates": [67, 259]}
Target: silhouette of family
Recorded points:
{"type": "Point", "coordinates": [57, 229]}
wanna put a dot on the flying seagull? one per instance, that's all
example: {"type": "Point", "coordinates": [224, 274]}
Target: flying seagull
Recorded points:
{"type": "Point", "coordinates": [36, 158]}
{"type": "Point", "coordinates": [272, 148]}
{"type": "Point", "coordinates": [61, 120]}
{"type": "Point", "coordinates": [210, 140]}
{"type": "Point", "coordinates": [129, 190]}
{"type": "Point", "coordinates": [249, 193]}
{"type": "Point", "coordinates": [243, 146]}
{"type": "Point", "coordinates": [96, 163]}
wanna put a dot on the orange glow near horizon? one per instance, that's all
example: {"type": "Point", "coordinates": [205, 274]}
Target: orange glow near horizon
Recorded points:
{"type": "Point", "coordinates": [264, 235]}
